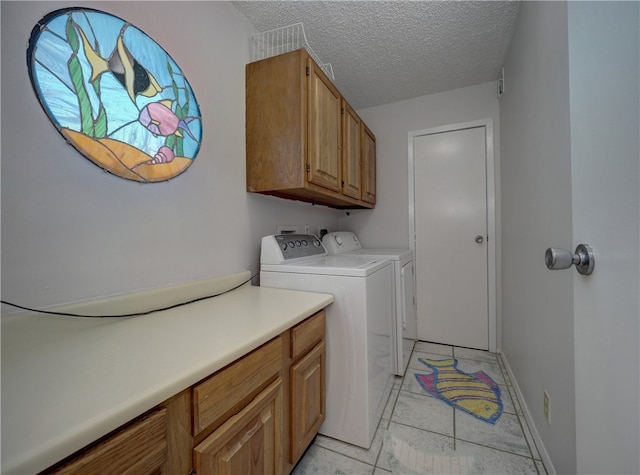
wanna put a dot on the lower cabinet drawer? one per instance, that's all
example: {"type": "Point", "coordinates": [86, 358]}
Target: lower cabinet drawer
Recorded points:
{"type": "Point", "coordinates": [305, 335]}
{"type": "Point", "coordinates": [250, 442]}
{"type": "Point", "coordinates": [219, 394]}
{"type": "Point", "coordinates": [140, 448]}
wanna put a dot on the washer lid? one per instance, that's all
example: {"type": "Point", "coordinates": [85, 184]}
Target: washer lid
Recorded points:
{"type": "Point", "coordinates": [394, 254]}
{"type": "Point", "coordinates": [346, 243]}
{"type": "Point", "coordinates": [353, 266]}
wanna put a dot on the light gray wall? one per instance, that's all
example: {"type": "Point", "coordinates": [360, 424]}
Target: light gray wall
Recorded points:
{"type": "Point", "coordinates": [604, 59]}
{"type": "Point", "coordinates": [537, 304]}
{"type": "Point", "coordinates": [72, 232]}
{"type": "Point", "coordinates": [388, 224]}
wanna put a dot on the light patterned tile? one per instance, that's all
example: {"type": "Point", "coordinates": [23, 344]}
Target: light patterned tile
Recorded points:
{"type": "Point", "coordinates": [497, 462]}
{"type": "Point", "coordinates": [384, 423]}
{"type": "Point", "coordinates": [401, 441]}
{"type": "Point", "coordinates": [318, 460]}
{"type": "Point", "coordinates": [411, 384]}
{"type": "Point", "coordinates": [391, 402]}
{"type": "Point", "coordinates": [478, 355]}
{"type": "Point", "coordinates": [506, 434]}
{"type": "Point", "coordinates": [507, 402]}
{"type": "Point", "coordinates": [423, 412]}
{"type": "Point", "coordinates": [380, 471]}
{"type": "Point", "coordinates": [492, 369]}
{"type": "Point", "coordinates": [435, 348]}
{"type": "Point", "coordinates": [363, 455]}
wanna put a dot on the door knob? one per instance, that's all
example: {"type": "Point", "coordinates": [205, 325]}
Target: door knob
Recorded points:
{"type": "Point", "coordinates": [479, 239]}
{"type": "Point", "coordinates": [562, 259]}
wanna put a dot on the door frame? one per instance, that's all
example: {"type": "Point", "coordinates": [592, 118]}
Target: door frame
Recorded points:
{"type": "Point", "coordinates": [492, 236]}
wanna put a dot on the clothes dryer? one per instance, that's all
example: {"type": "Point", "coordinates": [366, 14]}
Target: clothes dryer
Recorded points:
{"type": "Point", "coordinates": [405, 320]}
{"type": "Point", "coordinates": [359, 375]}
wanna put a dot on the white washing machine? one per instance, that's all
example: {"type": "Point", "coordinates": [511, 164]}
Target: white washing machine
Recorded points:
{"type": "Point", "coordinates": [405, 324]}
{"type": "Point", "coordinates": [359, 363]}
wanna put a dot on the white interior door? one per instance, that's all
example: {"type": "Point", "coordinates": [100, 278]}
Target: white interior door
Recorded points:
{"type": "Point", "coordinates": [451, 252]}
{"type": "Point", "coordinates": [605, 201]}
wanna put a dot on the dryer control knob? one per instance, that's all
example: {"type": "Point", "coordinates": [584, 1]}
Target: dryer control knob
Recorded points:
{"type": "Point", "coordinates": [339, 240]}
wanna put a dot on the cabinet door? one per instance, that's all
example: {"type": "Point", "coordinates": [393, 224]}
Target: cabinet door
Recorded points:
{"type": "Point", "coordinates": [250, 442]}
{"type": "Point", "coordinates": [307, 399]}
{"type": "Point", "coordinates": [323, 153]}
{"type": "Point", "coordinates": [351, 168]}
{"type": "Point", "coordinates": [368, 165]}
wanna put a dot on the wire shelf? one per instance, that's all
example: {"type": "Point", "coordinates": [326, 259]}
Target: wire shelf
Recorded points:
{"type": "Point", "coordinates": [282, 40]}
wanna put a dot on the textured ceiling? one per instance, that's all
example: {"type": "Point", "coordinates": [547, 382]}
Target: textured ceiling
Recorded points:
{"type": "Point", "coordinates": [383, 52]}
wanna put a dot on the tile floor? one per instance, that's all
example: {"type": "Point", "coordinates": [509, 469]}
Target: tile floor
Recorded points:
{"type": "Point", "coordinates": [421, 434]}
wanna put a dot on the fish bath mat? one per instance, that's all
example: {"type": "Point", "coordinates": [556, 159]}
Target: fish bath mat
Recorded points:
{"type": "Point", "coordinates": [474, 393]}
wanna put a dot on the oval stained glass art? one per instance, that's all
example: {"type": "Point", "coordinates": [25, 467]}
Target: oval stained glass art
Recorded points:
{"type": "Point", "coordinates": [115, 95]}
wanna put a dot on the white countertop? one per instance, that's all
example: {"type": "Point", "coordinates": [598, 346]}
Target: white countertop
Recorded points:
{"type": "Point", "coordinates": [67, 381]}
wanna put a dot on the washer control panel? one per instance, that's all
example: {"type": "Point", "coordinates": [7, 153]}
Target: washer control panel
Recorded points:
{"type": "Point", "coordinates": [280, 248]}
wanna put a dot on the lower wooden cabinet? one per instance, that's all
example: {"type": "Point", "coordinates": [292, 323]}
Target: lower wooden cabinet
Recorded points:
{"type": "Point", "coordinates": [228, 390]}
{"type": "Point", "coordinates": [307, 368]}
{"type": "Point", "coordinates": [255, 416]}
{"type": "Point", "coordinates": [140, 447]}
{"type": "Point", "coordinates": [307, 400]}
{"type": "Point", "coordinates": [250, 442]}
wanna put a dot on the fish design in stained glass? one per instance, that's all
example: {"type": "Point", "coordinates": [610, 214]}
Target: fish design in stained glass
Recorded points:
{"type": "Point", "coordinates": [116, 95]}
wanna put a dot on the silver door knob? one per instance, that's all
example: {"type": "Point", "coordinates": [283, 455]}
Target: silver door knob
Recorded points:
{"type": "Point", "coordinates": [479, 239]}
{"type": "Point", "coordinates": [583, 259]}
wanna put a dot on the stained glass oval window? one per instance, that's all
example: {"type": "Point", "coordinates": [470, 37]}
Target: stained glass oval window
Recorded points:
{"type": "Point", "coordinates": [114, 94]}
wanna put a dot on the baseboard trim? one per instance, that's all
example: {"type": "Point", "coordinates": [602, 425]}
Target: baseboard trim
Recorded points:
{"type": "Point", "coordinates": [544, 455]}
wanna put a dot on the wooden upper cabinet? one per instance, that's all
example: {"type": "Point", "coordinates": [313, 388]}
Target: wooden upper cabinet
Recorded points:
{"type": "Point", "coordinates": [297, 135]}
{"type": "Point", "coordinates": [351, 160]}
{"type": "Point", "coordinates": [368, 165]}
{"type": "Point", "coordinates": [323, 154]}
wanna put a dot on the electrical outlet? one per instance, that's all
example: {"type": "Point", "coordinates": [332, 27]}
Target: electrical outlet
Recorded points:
{"type": "Point", "coordinates": [547, 406]}
{"type": "Point", "coordinates": [308, 229]}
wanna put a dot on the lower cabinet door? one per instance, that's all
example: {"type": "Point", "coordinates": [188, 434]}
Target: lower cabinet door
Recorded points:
{"type": "Point", "coordinates": [307, 399]}
{"type": "Point", "coordinates": [250, 442]}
